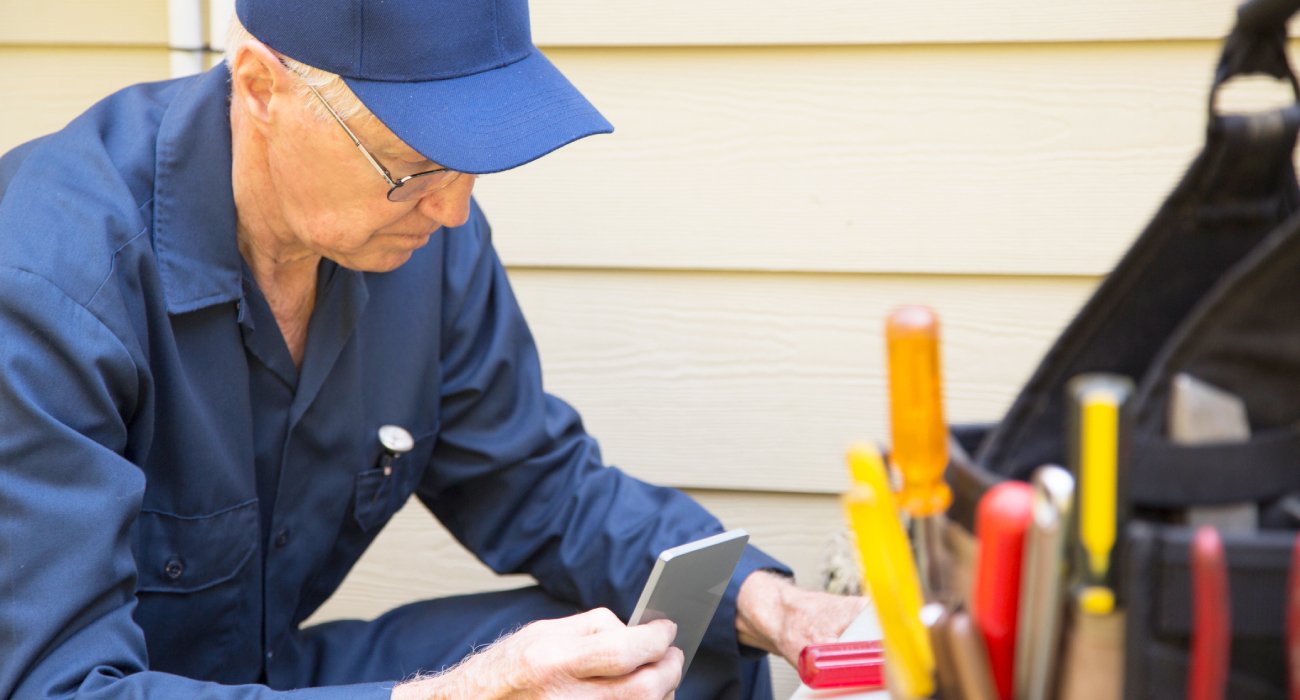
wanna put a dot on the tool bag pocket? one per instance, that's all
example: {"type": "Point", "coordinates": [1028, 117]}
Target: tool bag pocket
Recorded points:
{"type": "Point", "coordinates": [1159, 619]}
{"type": "Point", "coordinates": [1210, 289]}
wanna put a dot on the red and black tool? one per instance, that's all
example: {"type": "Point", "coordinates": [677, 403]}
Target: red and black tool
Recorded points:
{"type": "Point", "coordinates": [1207, 677]}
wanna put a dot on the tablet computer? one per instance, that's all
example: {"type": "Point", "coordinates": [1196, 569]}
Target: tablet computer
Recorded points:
{"type": "Point", "coordinates": [686, 585]}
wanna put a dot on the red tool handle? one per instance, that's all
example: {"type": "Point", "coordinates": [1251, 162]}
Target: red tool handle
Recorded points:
{"type": "Point", "coordinates": [843, 665]}
{"type": "Point", "coordinates": [1207, 677]}
{"type": "Point", "coordinates": [1003, 516]}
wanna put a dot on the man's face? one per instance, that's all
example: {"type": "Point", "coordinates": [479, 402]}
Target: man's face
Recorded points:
{"type": "Point", "coordinates": [334, 203]}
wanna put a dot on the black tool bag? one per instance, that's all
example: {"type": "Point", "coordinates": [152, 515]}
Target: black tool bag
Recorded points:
{"type": "Point", "coordinates": [1210, 288]}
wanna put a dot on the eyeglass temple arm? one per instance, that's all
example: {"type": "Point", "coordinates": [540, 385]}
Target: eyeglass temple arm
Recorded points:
{"type": "Point", "coordinates": [355, 141]}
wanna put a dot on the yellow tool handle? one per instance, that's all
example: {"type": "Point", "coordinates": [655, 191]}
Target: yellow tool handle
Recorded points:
{"type": "Point", "coordinates": [1099, 459]}
{"type": "Point", "coordinates": [889, 572]}
{"type": "Point", "coordinates": [1097, 408]}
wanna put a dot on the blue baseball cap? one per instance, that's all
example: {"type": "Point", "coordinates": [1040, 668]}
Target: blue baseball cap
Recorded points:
{"type": "Point", "coordinates": [460, 81]}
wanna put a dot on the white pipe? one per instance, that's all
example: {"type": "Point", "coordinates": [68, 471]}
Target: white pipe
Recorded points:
{"type": "Point", "coordinates": [185, 36]}
{"type": "Point", "coordinates": [219, 14]}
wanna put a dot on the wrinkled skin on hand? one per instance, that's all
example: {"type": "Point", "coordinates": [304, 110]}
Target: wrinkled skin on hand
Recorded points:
{"type": "Point", "coordinates": [774, 614]}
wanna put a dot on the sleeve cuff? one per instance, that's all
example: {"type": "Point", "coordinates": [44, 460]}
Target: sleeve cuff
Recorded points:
{"type": "Point", "coordinates": [363, 691]}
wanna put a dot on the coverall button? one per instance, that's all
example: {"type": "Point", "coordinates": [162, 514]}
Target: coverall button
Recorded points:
{"type": "Point", "coordinates": [282, 537]}
{"type": "Point", "coordinates": [174, 568]}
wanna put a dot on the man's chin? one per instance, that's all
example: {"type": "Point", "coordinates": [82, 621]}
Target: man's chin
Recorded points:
{"type": "Point", "coordinates": [386, 262]}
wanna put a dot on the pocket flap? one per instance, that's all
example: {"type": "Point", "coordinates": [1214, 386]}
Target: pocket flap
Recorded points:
{"type": "Point", "coordinates": [176, 554]}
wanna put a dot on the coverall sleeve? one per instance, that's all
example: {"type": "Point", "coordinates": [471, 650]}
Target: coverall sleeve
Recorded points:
{"type": "Point", "coordinates": [518, 481]}
{"type": "Point", "coordinates": [69, 389]}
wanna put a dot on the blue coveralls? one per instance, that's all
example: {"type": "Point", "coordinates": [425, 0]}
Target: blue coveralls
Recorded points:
{"type": "Point", "coordinates": [176, 497]}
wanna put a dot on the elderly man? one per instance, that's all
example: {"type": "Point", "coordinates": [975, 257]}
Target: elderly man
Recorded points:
{"type": "Point", "coordinates": [218, 289]}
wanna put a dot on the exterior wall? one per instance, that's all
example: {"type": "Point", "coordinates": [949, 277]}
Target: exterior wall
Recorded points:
{"type": "Point", "coordinates": [708, 284]}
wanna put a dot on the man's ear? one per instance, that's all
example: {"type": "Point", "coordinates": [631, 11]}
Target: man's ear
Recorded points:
{"type": "Point", "coordinates": [257, 78]}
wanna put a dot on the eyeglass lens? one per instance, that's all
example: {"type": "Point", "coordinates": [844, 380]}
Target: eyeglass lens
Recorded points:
{"type": "Point", "coordinates": [420, 184]}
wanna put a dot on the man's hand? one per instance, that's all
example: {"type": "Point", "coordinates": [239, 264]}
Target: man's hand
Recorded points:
{"type": "Point", "coordinates": [587, 656]}
{"type": "Point", "coordinates": [775, 615]}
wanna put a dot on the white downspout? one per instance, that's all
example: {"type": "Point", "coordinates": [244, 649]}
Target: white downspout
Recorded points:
{"type": "Point", "coordinates": [186, 42]}
{"type": "Point", "coordinates": [219, 14]}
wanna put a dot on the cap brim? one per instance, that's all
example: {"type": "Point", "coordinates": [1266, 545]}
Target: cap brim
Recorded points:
{"type": "Point", "coordinates": [486, 122]}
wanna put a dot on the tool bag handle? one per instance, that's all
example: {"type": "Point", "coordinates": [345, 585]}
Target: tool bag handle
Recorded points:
{"type": "Point", "coordinates": [1257, 45]}
{"type": "Point", "coordinates": [1265, 15]}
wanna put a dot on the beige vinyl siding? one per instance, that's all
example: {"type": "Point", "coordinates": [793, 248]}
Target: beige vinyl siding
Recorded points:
{"type": "Point", "coordinates": [46, 86]}
{"type": "Point", "coordinates": [941, 159]}
{"type": "Point", "coordinates": [769, 22]}
{"type": "Point", "coordinates": [708, 284]}
{"type": "Point", "coordinates": [716, 23]}
{"type": "Point", "coordinates": [72, 22]}
{"type": "Point", "coordinates": [758, 381]}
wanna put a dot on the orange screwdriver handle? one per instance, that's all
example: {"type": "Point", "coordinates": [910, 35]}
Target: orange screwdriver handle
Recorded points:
{"type": "Point", "coordinates": [919, 440]}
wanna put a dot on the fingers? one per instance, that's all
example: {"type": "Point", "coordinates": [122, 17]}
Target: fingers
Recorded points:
{"type": "Point", "coordinates": [815, 617]}
{"type": "Point", "coordinates": [594, 621]}
{"type": "Point", "coordinates": [656, 680]}
{"type": "Point", "coordinates": [594, 654]}
{"type": "Point", "coordinates": [618, 651]}
{"type": "Point", "coordinates": [663, 676]}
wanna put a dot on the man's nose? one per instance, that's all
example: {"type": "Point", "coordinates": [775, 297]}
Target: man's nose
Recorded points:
{"type": "Point", "coordinates": [449, 206]}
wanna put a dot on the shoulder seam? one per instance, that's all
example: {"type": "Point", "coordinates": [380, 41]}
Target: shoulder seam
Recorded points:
{"type": "Point", "coordinates": [112, 267]}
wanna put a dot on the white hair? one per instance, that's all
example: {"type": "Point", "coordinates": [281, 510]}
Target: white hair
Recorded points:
{"type": "Point", "coordinates": [329, 85]}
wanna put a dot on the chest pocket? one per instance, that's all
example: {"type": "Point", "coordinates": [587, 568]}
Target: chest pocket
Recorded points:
{"type": "Point", "coordinates": [383, 489]}
{"type": "Point", "coordinates": [197, 590]}
{"type": "Point", "coordinates": [177, 554]}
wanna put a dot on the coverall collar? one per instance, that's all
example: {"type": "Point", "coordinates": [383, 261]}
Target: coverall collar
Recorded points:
{"type": "Point", "coordinates": [194, 203]}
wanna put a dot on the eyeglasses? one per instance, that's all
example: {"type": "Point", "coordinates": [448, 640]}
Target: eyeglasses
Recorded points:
{"type": "Point", "coordinates": [401, 190]}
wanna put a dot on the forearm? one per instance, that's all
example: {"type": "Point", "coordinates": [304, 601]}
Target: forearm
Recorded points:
{"type": "Point", "coordinates": [464, 682]}
{"type": "Point", "coordinates": [488, 674]}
